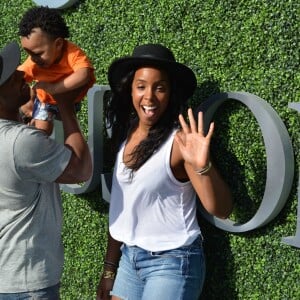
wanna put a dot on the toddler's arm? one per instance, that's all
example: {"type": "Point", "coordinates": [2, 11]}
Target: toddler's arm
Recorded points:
{"type": "Point", "coordinates": [78, 79]}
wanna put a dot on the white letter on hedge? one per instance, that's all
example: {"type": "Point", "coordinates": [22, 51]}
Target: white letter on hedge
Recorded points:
{"type": "Point", "coordinates": [95, 140]}
{"type": "Point", "coordinates": [280, 159]}
{"type": "Point", "coordinates": [295, 240]}
{"type": "Point", "coordinates": [56, 3]}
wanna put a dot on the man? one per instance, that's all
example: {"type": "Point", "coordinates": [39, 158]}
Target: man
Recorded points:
{"type": "Point", "coordinates": [32, 165]}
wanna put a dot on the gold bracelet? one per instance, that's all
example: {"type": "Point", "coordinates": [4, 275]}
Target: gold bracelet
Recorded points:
{"type": "Point", "coordinates": [110, 264]}
{"type": "Point", "coordinates": [109, 275]}
{"type": "Point", "coordinates": [205, 169]}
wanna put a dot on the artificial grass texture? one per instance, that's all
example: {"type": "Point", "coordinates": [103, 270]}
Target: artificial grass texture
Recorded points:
{"type": "Point", "coordinates": [250, 46]}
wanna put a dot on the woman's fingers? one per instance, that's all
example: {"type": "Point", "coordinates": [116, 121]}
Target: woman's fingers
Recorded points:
{"type": "Point", "coordinates": [193, 126]}
{"type": "Point", "coordinates": [183, 124]}
{"type": "Point", "coordinates": [200, 123]}
{"type": "Point", "coordinates": [211, 130]}
{"type": "Point", "coordinates": [201, 126]}
{"type": "Point", "coordinates": [192, 120]}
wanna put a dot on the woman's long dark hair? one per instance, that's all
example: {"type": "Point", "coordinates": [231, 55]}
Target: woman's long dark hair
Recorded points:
{"type": "Point", "coordinates": [121, 116]}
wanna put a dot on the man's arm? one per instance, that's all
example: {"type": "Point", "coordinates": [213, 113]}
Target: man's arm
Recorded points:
{"type": "Point", "coordinates": [80, 165]}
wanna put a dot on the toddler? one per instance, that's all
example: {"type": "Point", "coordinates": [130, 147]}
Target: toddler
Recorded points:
{"type": "Point", "coordinates": [55, 65]}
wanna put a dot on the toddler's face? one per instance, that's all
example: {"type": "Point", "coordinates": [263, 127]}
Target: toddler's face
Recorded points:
{"type": "Point", "coordinates": [43, 50]}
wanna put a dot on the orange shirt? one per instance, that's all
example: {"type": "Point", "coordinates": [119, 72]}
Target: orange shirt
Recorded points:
{"type": "Point", "coordinates": [73, 59]}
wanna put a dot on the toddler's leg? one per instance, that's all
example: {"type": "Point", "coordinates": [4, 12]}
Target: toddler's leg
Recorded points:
{"type": "Point", "coordinates": [43, 115]}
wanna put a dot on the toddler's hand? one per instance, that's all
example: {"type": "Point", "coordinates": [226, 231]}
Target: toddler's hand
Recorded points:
{"type": "Point", "coordinates": [46, 86]}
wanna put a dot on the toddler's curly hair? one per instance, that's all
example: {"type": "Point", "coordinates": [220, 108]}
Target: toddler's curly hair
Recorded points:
{"type": "Point", "coordinates": [48, 19]}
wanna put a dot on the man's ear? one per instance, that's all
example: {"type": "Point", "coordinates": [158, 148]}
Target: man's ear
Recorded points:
{"type": "Point", "coordinates": [2, 104]}
{"type": "Point", "coordinates": [59, 42]}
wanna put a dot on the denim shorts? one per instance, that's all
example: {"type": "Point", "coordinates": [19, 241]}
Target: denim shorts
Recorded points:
{"type": "Point", "coordinates": [49, 293]}
{"type": "Point", "coordinates": [47, 112]}
{"type": "Point", "coordinates": [176, 274]}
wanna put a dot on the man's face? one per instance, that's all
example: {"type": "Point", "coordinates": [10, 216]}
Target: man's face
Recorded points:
{"type": "Point", "coordinates": [15, 91]}
{"type": "Point", "coordinates": [43, 50]}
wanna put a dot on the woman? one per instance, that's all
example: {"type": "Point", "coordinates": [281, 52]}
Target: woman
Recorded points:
{"type": "Point", "coordinates": [154, 242]}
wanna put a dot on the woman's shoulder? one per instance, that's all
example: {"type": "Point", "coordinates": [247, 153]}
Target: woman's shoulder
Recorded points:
{"type": "Point", "coordinates": [176, 156]}
{"type": "Point", "coordinates": [177, 161]}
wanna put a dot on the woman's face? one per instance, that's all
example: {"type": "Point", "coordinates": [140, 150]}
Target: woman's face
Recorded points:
{"type": "Point", "coordinates": [150, 93]}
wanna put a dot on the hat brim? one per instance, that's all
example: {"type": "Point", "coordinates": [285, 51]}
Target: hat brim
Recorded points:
{"type": "Point", "coordinates": [10, 56]}
{"type": "Point", "coordinates": [183, 76]}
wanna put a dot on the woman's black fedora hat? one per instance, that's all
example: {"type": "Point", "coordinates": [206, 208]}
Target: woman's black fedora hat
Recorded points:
{"type": "Point", "coordinates": [153, 55]}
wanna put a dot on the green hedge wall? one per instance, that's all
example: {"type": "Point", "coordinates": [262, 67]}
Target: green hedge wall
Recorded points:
{"type": "Point", "coordinates": [232, 45]}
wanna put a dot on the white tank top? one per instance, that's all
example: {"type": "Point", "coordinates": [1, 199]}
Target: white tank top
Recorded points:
{"type": "Point", "coordinates": [152, 209]}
